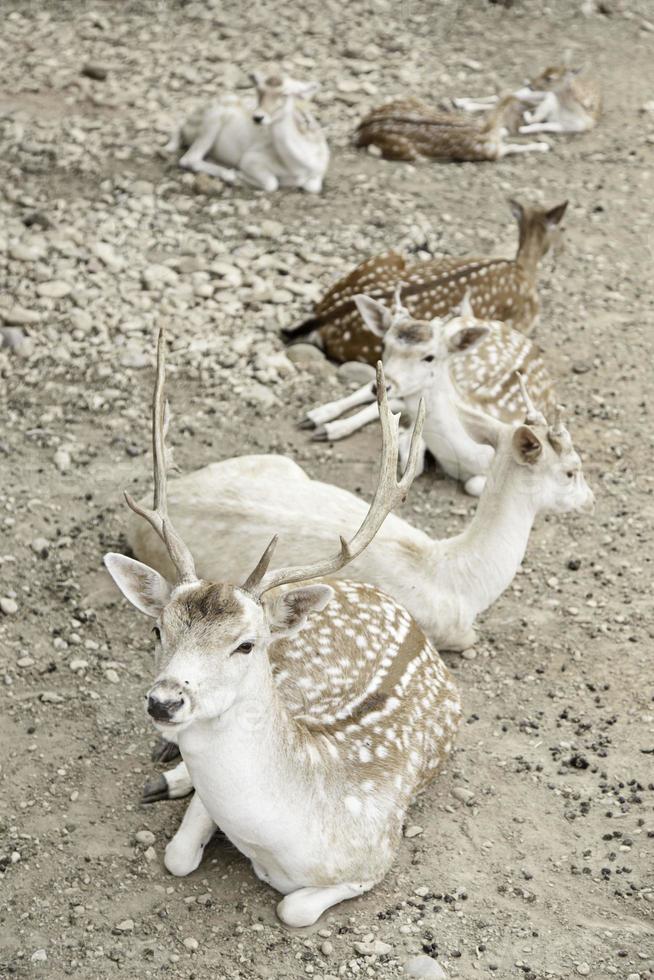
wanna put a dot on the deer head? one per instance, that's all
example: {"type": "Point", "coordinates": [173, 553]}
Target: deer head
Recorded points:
{"type": "Point", "coordinates": [554, 78]}
{"type": "Point", "coordinates": [545, 463]}
{"type": "Point", "coordinates": [213, 637]}
{"type": "Point", "coordinates": [275, 94]}
{"type": "Point", "coordinates": [539, 228]}
{"type": "Point", "coordinates": [417, 352]}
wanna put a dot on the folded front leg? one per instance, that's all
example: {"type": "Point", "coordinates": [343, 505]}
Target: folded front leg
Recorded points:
{"type": "Point", "coordinates": [185, 850]}
{"type": "Point", "coordinates": [171, 785]}
{"type": "Point", "coordinates": [305, 906]}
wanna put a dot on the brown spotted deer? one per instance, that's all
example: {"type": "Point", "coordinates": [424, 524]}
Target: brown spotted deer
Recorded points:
{"type": "Point", "coordinates": [444, 362]}
{"type": "Point", "coordinates": [228, 510]}
{"type": "Point", "coordinates": [271, 141]}
{"type": "Point", "coordinates": [500, 289]}
{"type": "Point", "coordinates": [565, 100]}
{"type": "Point", "coordinates": [407, 130]}
{"type": "Point", "coordinates": [308, 715]}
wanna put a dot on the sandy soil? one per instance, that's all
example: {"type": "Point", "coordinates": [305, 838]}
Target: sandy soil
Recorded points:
{"type": "Point", "coordinates": [547, 870]}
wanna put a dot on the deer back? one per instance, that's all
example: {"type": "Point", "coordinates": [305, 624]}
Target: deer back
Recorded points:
{"type": "Point", "coordinates": [363, 676]}
{"type": "Point", "coordinates": [485, 374]}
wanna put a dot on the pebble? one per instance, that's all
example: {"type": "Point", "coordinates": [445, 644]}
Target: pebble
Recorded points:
{"type": "Point", "coordinates": [462, 794]}
{"type": "Point", "coordinates": [112, 676]}
{"type": "Point", "coordinates": [413, 831]}
{"type": "Point", "coordinates": [54, 289]}
{"type": "Point", "coordinates": [62, 460]}
{"type": "Point", "coordinates": [51, 697]}
{"type": "Point", "coordinates": [108, 256]}
{"type": "Point", "coordinates": [26, 253]}
{"type": "Point", "coordinates": [355, 371]}
{"type": "Point", "coordinates": [583, 969]}
{"type": "Point", "coordinates": [97, 72]}
{"type": "Point", "coordinates": [305, 354]}
{"type": "Point", "coordinates": [426, 968]}
{"type": "Point", "coordinates": [144, 837]}
{"type": "Point", "coordinates": [26, 662]}
{"type": "Point", "coordinates": [18, 316]}
{"type": "Point", "coordinates": [191, 943]}
{"type": "Point", "coordinates": [326, 948]}
{"type": "Point", "coordinates": [374, 948]}
{"type": "Point", "coordinates": [8, 606]}
{"type": "Point", "coordinates": [40, 546]}
{"type": "Point", "coordinates": [39, 956]}
{"type": "Point", "coordinates": [78, 664]}
{"type": "Point", "coordinates": [127, 925]}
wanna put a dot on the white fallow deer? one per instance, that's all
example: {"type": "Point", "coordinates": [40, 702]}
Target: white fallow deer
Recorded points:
{"type": "Point", "coordinates": [227, 511]}
{"type": "Point", "coordinates": [307, 717]}
{"type": "Point", "coordinates": [444, 361]}
{"type": "Point", "coordinates": [565, 100]}
{"type": "Point", "coordinates": [272, 141]}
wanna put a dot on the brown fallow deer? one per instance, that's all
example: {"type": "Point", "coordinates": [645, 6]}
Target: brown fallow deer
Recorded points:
{"type": "Point", "coordinates": [500, 289]}
{"type": "Point", "coordinates": [443, 362]}
{"type": "Point", "coordinates": [564, 100]}
{"type": "Point", "coordinates": [271, 141]}
{"type": "Point", "coordinates": [409, 130]}
{"type": "Point", "coordinates": [308, 715]}
{"type": "Point", "coordinates": [228, 510]}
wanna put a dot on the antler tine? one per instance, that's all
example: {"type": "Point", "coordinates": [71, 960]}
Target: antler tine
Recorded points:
{"type": "Point", "coordinates": [389, 493]}
{"type": "Point", "coordinates": [533, 416]}
{"type": "Point", "coordinates": [158, 517]}
{"type": "Point", "coordinates": [399, 309]}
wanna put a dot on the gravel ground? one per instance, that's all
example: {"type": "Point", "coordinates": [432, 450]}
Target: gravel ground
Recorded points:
{"type": "Point", "coordinates": [532, 856]}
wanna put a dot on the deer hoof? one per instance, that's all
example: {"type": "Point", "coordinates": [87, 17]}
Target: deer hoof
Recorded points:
{"type": "Point", "coordinates": [156, 789]}
{"type": "Point", "coordinates": [306, 423]}
{"type": "Point", "coordinates": [320, 435]}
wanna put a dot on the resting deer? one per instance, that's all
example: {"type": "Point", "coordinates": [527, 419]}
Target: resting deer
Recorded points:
{"type": "Point", "coordinates": [564, 102]}
{"type": "Point", "coordinates": [444, 361]}
{"type": "Point", "coordinates": [408, 130]}
{"type": "Point", "coordinates": [271, 141]}
{"type": "Point", "coordinates": [307, 718]}
{"type": "Point", "coordinates": [500, 289]}
{"type": "Point", "coordinates": [228, 510]}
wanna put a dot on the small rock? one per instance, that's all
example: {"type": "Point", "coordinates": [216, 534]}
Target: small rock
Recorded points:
{"type": "Point", "coordinates": [581, 367]}
{"type": "Point", "coordinates": [40, 546]}
{"type": "Point", "coordinates": [155, 277]}
{"type": "Point", "coordinates": [375, 948]}
{"type": "Point", "coordinates": [426, 968]}
{"type": "Point", "coordinates": [413, 831]}
{"type": "Point", "coordinates": [78, 664]}
{"type": "Point", "coordinates": [305, 354]}
{"type": "Point", "coordinates": [326, 948]}
{"type": "Point", "coordinates": [191, 943]}
{"type": "Point", "coordinates": [62, 460]}
{"type": "Point", "coordinates": [51, 697]}
{"type": "Point", "coordinates": [97, 72]}
{"type": "Point", "coordinates": [22, 252]}
{"type": "Point", "coordinates": [150, 854]}
{"type": "Point", "coordinates": [462, 794]}
{"type": "Point", "coordinates": [39, 956]}
{"type": "Point", "coordinates": [421, 891]}
{"type": "Point", "coordinates": [145, 837]}
{"type": "Point", "coordinates": [356, 371]}
{"type": "Point", "coordinates": [258, 394]}
{"type": "Point", "coordinates": [26, 662]}
{"type": "Point", "coordinates": [469, 654]}
{"type": "Point", "coordinates": [18, 316]}
{"type": "Point", "coordinates": [107, 256]}
{"type": "Point", "coordinates": [583, 969]}
{"type": "Point", "coordinates": [54, 289]}
{"type": "Point", "coordinates": [8, 606]}
{"type": "Point", "coordinates": [127, 925]}
{"type": "Point", "coordinates": [112, 676]}
{"type": "Point", "coordinates": [15, 339]}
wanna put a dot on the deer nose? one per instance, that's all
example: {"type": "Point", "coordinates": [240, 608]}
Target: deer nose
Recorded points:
{"type": "Point", "coordinates": [163, 710]}
{"type": "Point", "coordinates": [258, 117]}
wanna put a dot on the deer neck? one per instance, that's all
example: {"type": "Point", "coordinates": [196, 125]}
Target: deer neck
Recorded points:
{"type": "Point", "coordinates": [289, 140]}
{"type": "Point", "coordinates": [530, 252]}
{"type": "Point", "coordinates": [483, 560]}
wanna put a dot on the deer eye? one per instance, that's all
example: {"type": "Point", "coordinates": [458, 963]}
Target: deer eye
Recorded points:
{"type": "Point", "coordinates": [157, 633]}
{"type": "Point", "coordinates": [246, 647]}
{"type": "Point", "coordinates": [570, 474]}
{"type": "Point", "coordinates": [429, 358]}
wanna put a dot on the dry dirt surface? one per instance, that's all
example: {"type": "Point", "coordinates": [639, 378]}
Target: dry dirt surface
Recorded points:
{"type": "Point", "coordinates": [532, 856]}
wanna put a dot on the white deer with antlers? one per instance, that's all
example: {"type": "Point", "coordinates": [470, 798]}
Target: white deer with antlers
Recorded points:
{"type": "Point", "coordinates": [445, 361]}
{"type": "Point", "coordinates": [228, 510]}
{"type": "Point", "coordinates": [308, 717]}
{"type": "Point", "coordinates": [271, 141]}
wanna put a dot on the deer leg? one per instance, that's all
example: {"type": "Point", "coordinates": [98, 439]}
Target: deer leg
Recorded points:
{"type": "Point", "coordinates": [313, 185]}
{"type": "Point", "coordinates": [510, 148]}
{"type": "Point", "coordinates": [332, 410]}
{"type": "Point", "coordinates": [305, 906]}
{"type": "Point", "coordinates": [165, 751]}
{"type": "Point", "coordinates": [342, 428]}
{"type": "Point", "coordinates": [171, 785]}
{"type": "Point", "coordinates": [543, 127]}
{"type": "Point", "coordinates": [256, 171]}
{"type": "Point", "coordinates": [185, 850]}
{"type": "Point", "coordinates": [544, 107]}
{"type": "Point", "coordinates": [174, 144]}
{"type": "Point", "coordinates": [482, 104]}
{"type": "Point", "coordinates": [194, 160]}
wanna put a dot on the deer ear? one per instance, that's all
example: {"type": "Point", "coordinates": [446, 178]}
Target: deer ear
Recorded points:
{"type": "Point", "coordinates": [554, 215]}
{"type": "Point", "coordinates": [141, 585]}
{"type": "Point", "coordinates": [287, 612]}
{"type": "Point", "coordinates": [374, 314]}
{"type": "Point", "coordinates": [527, 447]}
{"type": "Point", "coordinates": [517, 209]}
{"type": "Point", "coordinates": [466, 337]}
{"type": "Point", "coordinates": [256, 78]}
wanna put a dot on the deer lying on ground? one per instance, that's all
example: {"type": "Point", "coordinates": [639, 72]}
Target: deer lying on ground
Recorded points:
{"type": "Point", "coordinates": [443, 361]}
{"type": "Point", "coordinates": [500, 289]}
{"type": "Point", "coordinates": [409, 130]}
{"type": "Point", "coordinates": [271, 141]}
{"type": "Point", "coordinates": [228, 510]}
{"type": "Point", "coordinates": [307, 718]}
{"type": "Point", "coordinates": [564, 102]}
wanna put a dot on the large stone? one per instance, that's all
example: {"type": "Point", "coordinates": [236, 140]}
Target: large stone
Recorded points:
{"type": "Point", "coordinates": [425, 968]}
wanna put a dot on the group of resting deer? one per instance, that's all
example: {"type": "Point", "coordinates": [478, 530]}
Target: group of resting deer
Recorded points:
{"type": "Point", "coordinates": [273, 140]}
{"type": "Point", "coordinates": [308, 700]}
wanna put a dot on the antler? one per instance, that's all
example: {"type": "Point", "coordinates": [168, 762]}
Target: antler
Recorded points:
{"type": "Point", "coordinates": [158, 518]}
{"type": "Point", "coordinates": [389, 493]}
{"type": "Point", "coordinates": [558, 432]}
{"type": "Point", "coordinates": [399, 309]}
{"type": "Point", "coordinates": [533, 416]}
